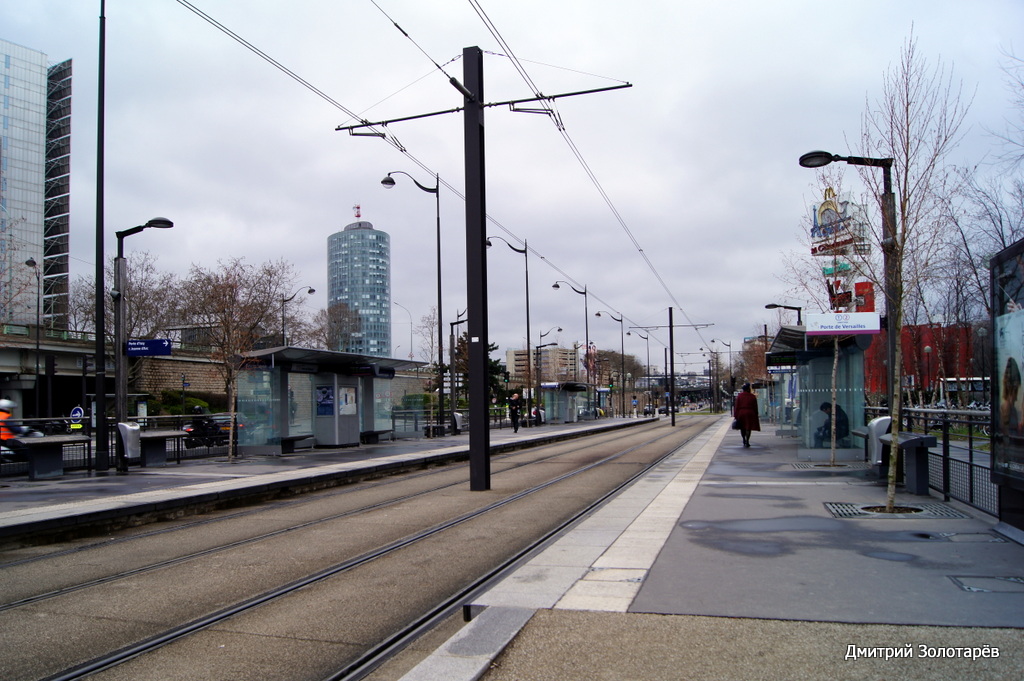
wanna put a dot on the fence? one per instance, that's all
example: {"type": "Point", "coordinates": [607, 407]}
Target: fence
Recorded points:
{"type": "Point", "coordinates": [961, 469]}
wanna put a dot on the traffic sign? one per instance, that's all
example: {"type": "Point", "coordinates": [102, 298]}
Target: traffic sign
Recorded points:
{"type": "Point", "coordinates": [153, 346]}
{"type": "Point", "coordinates": [76, 415]}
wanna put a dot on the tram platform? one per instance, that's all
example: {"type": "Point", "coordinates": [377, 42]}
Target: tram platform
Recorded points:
{"type": "Point", "coordinates": [82, 502]}
{"type": "Point", "coordinates": [729, 562]}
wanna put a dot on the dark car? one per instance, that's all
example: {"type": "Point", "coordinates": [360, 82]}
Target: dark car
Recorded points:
{"type": "Point", "coordinates": [210, 430]}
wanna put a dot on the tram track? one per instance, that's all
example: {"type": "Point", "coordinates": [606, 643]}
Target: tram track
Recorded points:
{"type": "Point", "coordinates": [374, 654]}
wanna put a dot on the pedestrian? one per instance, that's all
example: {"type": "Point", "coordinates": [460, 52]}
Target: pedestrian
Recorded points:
{"type": "Point", "coordinates": [9, 443]}
{"type": "Point", "coordinates": [744, 410]}
{"type": "Point", "coordinates": [515, 408]}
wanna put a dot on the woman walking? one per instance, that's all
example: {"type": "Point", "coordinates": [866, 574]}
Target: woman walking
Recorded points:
{"type": "Point", "coordinates": [744, 410]}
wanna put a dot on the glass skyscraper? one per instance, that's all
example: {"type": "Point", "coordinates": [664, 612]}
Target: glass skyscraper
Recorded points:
{"type": "Point", "coordinates": [35, 153]}
{"type": "Point", "coordinates": [359, 275]}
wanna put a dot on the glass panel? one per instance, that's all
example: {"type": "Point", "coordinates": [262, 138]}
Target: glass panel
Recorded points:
{"type": "Point", "coordinates": [300, 404]}
{"type": "Point", "coordinates": [256, 402]}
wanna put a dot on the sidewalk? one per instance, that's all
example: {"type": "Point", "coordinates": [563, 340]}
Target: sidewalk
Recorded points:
{"type": "Point", "coordinates": [735, 563]}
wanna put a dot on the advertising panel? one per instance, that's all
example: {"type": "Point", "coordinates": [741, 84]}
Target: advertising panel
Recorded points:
{"type": "Point", "coordinates": [1007, 271]}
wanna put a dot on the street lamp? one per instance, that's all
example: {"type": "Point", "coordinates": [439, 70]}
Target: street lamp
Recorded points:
{"type": "Point", "coordinates": [892, 266]}
{"type": "Point", "coordinates": [647, 367]}
{"type": "Point", "coordinates": [586, 332]}
{"type": "Point", "coordinates": [926, 383]}
{"type": "Point", "coordinates": [394, 302]}
{"type": "Point", "coordinates": [526, 268]}
{"type": "Point", "coordinates": [540, 372]}
{"type": "Point", "coordinates": [31, 262]}
{"type": "Point", "coordinates": [284, 301]}
{"type": "Point", "coordinates": [732, 382]}
{"type": "Point", "coordinates": [388, 182]}
{"type": "Point", "coordinates": [120, 359]}
{"type": "Point", "coordinates": [799, 319]}
{"type": "Point", "coordinates": [622, 360]}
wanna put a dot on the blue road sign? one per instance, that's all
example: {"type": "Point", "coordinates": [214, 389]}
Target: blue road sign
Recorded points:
{"type": "Point", "coordinates": [143, 348]}
{"type": "Point", "coordinates": [76, 415]}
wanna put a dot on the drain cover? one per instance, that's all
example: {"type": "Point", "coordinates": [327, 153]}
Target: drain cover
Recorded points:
{"type": "Point", "coordinates": [804, 466]}
{"type": "Point", "coordinates": [928, 510]}
{"type": "Point", "coordinates": [988, 585]}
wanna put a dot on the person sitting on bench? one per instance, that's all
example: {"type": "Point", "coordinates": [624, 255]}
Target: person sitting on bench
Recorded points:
{"type": "Point", "coordinates": [824, 434]}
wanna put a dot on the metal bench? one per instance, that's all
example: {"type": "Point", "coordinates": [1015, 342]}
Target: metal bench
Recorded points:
{"type": "Point", "coordinates": [46, 454]}
{"type": "Point", "coordinates": [914, 447]}
{"type": "Point", "coordinates": [288, 442]}
{"type": "Point", "coordinates": [372, 437]}
{"type": "Point", "coordinates": [153, 446]}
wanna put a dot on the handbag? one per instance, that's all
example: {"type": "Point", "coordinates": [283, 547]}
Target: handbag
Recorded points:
{"type": "Point", "coordinates": [735, 424]}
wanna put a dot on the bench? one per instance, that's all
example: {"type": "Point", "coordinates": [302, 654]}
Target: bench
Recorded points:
{"type": "Point", "coordinates": [433, 431]}
{"type": "Point", "coordinates": [288, 442]}
{"type": "Point", "coordinates": [914, 447]}
{"type": "Point", "coordinates": [46, 454]}
{"type": "Point", "coordinates": [153, 446]}
{"type": "Point", "coordinates": [372, 437]}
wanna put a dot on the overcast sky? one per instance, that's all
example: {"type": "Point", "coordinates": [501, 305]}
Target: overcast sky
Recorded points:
{"type": "Point", "coordinates": [698, 159]}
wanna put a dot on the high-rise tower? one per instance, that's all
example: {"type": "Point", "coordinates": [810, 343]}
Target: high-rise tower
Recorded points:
{"type": "Point", "coordinates": [359, 275]}
{"type": "Point", "coordinates": [35, 153]}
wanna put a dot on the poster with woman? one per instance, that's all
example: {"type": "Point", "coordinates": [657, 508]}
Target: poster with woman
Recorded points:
{"type": "Point", "coordinates": [1007, 269]}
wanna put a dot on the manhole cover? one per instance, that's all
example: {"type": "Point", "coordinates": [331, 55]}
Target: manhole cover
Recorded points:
{"type": "Point", "coordinates": [925, 510]}
{"type": "Point", "coordinates": [805, 466]}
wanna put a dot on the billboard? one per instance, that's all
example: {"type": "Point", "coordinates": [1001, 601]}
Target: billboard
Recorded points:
{"type": "Point", "coordinates": [1007, 285]}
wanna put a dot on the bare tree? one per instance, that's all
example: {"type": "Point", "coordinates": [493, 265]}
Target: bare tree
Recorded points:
{"type": "Point", "coordinates": [334, 327]}
{"type": "Point", "coordinates": [916, 122]}
{"type": "Point", "coordinates": [234, 306]}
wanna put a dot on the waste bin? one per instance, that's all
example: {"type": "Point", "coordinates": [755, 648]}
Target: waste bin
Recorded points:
{"type": "Point", "coordinates": [129, 444]}
{"type": "Point", "coordinates": [876, 428]}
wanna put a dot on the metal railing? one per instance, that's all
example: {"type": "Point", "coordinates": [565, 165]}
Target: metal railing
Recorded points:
{"type": "Point", "coordinates": [961, 469]}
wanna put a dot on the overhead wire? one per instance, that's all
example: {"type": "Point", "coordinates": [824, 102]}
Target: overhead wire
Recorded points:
{"type": "Point", "coordinates": [560, 125]}
{"type": "Point", "coordinates": [393, 141]}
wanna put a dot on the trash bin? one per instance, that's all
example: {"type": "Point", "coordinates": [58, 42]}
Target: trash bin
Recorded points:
{"type": "Point", "coordinates": [130, 441]}
{"type": "Point", "coordinates": [877, 427]}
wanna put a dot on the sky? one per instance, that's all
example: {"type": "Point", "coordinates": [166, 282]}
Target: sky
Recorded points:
{"type": "Point", "coordinates": [689, 194]}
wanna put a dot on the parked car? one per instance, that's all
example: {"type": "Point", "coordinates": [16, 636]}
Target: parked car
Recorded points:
{"type": "Point", "coordinates": [210, 430]}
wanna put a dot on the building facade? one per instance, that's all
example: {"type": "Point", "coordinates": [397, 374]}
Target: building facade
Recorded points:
{"type": "Point", "coordinates": [552, 363]}
{"type": "Point", "coordinates": [359, 276]}
{"type": "Point", "coordinates": [35, 153]}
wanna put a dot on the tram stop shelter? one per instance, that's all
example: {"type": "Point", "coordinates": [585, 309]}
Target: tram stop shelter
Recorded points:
{"type": "Point", "coordinates": [801, 368]}
{"type": "Point", "coordinates": [292, 397]}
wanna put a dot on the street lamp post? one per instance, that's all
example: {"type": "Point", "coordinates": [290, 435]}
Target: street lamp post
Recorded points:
{"type": "Point", "coordinates": [586, 332]}
{"type": "Point", "coordinates": [526, 268]}
{"type": "Point", "coordinates": [732, 383]}
{"type": "Point", "coordinates": [118, 293]}
{"type": "Point", "coordinates": [927, 380]}
{"type": "Point", "coordinates": [284, 301]}
{"type": "Point", "coordinates": [31, 262]}
{"type": "Point", "coordinates": [622, 360]}
{"type": "Point", "coordinates": [647, 367]}
{"type": "Point", "coordinates": [799, 319]}
{"type": "Point", "coordinates": [393, 302]}
{"type": "Point", "coordinates": [540, 372]}
{"type": "Point", "coordinates": [388, 182]}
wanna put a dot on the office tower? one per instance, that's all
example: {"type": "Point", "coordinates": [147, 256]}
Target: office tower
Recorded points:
{"type": "Point", "coordinates": [35, 154]}
{"type": "Point", "coordinates": [359, 276]}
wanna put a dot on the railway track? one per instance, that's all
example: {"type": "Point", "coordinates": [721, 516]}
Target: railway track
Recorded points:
{"type": "Point", "coordinates": [346, 575]}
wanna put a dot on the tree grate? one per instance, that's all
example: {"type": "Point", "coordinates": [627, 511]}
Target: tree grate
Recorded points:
{"type": "Point", "coordinates": [928, 510]}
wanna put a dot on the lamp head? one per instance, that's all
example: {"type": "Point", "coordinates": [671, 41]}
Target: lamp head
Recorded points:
{"type": "Point", "coordinates": [31, 262]}
{"type": "Point", "coordinates": [816, 159]}
{"type": "Point", "coordinates": [310, 291]}
{"type": "Point", "coordinates": [388, 181]}
{"type": "Point", "coordinates": [555, 285]}
{"type": "Point", "coordinates": [771, 306]}
{"type": "Point", "coordinates": [160, 223]}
